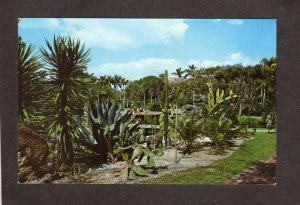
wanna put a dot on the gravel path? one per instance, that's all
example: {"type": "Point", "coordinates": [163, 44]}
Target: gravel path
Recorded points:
{"type": "Point", "coordinates": [109, 174]}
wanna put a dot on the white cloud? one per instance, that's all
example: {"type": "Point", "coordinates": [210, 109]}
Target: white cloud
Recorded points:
{"type": "Point", "coordinates": [231, 59]}
{"type": "Point", "coordinates": [217, 20]}
{"type": "Point", "coordinates": [235, 22]}
{"type": "Point", "coordinates": [116, 34]}
{"type": "Point", "coordinates": [137, 69]}
{"type": "Point", "coordinates": [46, 23]}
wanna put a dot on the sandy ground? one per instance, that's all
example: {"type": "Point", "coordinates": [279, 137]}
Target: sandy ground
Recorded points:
{"type": "Point", "coordinates": [109, 174]}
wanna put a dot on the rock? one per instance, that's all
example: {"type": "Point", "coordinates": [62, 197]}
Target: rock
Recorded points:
{"type": "Point", "coordinates": [239, 181]}
{"type": "Point", "coordinates": [32, 154]}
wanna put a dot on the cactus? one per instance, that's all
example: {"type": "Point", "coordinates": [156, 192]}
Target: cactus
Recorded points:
{"type": "Point", "coordinates": [166, 118]}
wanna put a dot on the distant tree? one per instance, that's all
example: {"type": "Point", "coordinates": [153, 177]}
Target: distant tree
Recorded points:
{"type": "Point", "coordinates": [179, 73]}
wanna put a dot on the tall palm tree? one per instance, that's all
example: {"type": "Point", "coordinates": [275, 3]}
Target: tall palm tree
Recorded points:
{"type": "Point", "coordinates": [123, 84]}
{"type": "Point", "coordinates": [191, 71]}
{"type": "Point", "coordinates": [117, 82]}
{"type": "Point", "coordinates": [66, 61]}
{"type": "Point", "coordinates": [179, 73]}
{"type": "Point", "coordinates": [30, 79]}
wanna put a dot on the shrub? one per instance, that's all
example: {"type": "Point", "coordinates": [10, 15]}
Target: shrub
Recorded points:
{"type": "Point", "coordinates": [138, 103]}
{"type": "Point", "coordinates": [221, 132]}
{"type": "Point", "coordinates": [250, 121]}
{"type": "Point", "coordinates": [155, 106]}
{"type": "Point", "coordinates": [188, 130]}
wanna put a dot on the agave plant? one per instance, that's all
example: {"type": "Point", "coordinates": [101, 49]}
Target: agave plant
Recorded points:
{"type": "Point", "coordinates": [114, 132]}
{"type": "Point", "coordinates": [131, 170]}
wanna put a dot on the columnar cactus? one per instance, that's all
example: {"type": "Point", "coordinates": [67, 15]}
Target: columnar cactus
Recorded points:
{"type": "Point", "coordinates": [166, 119]}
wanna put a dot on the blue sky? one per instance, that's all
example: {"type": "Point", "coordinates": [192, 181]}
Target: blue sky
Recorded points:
{"type": "Point", "coordinates": [134, 48]}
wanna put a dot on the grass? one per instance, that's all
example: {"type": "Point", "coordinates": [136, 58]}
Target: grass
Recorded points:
{"type": "Point", "coordinates": [252, 151]}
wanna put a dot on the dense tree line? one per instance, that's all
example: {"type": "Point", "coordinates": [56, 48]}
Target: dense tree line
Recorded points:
{"type": "Point", "coordinates": [255, 85]}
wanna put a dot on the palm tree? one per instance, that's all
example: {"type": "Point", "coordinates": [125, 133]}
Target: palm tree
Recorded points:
{"type": "Point", "coordinates": [116, 82]}
{"type": "Point", "coordinates": [30, 79]}
{"type": "Point", "coordinates": [66, 62]}
{"type": "Point", "coordinates": [179, 73]}
{"type": "Point", "coordinates": [123, 84]}
{"type": "Point", "coordinates": [191, 71]}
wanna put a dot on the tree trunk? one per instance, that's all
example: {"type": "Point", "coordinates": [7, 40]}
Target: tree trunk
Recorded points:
{"type": "Point", "coordinates": [264, 97]}
{"type": "Point", "coordinates": [144, 99]}
{"type": "Point", "coordinates": [176, 124]}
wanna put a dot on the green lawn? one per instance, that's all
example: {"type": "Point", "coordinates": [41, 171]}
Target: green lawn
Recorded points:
{"type": "Point", "coordinates": [262, 146]}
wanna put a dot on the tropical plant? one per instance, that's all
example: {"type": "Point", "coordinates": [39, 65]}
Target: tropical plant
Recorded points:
{"type": "Point", "coordinates": [179, 73]}
{"type": "Point", "coordinates": [166, 111]}
{"type": "Point", "coordinates": [215, 100]}
{"type": "Point", "coordinates": [66, 62]}
{"type": "Point", "coordinates": [250, 121]}
{"type": "Point", "coordinates": [30, 81]}
{"type": "Point", "coordinates": [131, 170]}
{"type": "Point", "coordinates": [191, 71]}
{"type": "Point", "coordinates": [155, 106]}
{"type": "Point", "coordinates": [113, 132]}
{"type": "Point", "coordinates": [221, 132]}
{"type": "Point", "coordinates": [188, 129]}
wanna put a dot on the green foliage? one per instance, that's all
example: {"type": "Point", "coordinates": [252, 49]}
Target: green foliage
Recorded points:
{"type": "Point", "coordinates": [131, 170]}
{"type": "Point", "coordinates": [162, 119]}
{"type": "Point", "coordinates": [66, 62]}
{"type": "Point", "coordinates": [155, 106]}
{"type": "Point", "coordinates": [166, 111]}
{"type": "Point", "coordinates": [112, 131]}
{"type": "Point", "coordinates": [221, 132]}
{"type": "Point", "coordinates": [253, 87]}
{"type": "Point", "coordinates": [250, 121]}
{"type": "Point", "coordinates": [262, 146]}
{"type": "Point", "coordinates": [188, 130]}
{"type": "Point", "coordinates": [30, 81]}
{"type": "Point", "coordinates": [215, 100]}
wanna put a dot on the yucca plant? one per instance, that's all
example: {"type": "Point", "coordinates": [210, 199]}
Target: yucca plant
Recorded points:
{"type": "Point", "coordinates": [30, 80]}
{"type": "Point", "coordinates": [113, 132]}
{"type": "Point", "coordinates": [66, 61]}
